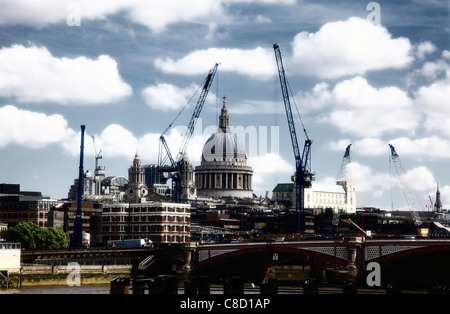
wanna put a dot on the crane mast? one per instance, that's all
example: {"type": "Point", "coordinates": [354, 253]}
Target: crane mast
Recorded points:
{"type": "Point", "coordinates": [176, 165]}
{"type": "Point", "coordinates": [342, 176]}
{"type": "Point", "coordinates": [405, 186]}
{"type": "Point", "coordinates": [303, 175]}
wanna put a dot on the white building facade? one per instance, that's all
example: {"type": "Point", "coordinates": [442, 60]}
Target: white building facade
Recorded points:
{"type": "Point", "coordinates": [340, 197]}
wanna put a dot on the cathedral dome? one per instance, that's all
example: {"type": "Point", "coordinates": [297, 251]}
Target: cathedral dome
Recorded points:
{"type": "Point", "coordinates": [223, 146]}
{"type": "Point", "coordinates": [223, 171]}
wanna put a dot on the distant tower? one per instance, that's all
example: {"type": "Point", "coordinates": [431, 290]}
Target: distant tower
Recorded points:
{"type": "Point", "coordinates": [438, 203]}
{"type": "Point", "coordinates": [99, 173]}
{"type": "Point", "coordinates": [136, 189]}
{"type": "Point", "coordinates": [188, 188]}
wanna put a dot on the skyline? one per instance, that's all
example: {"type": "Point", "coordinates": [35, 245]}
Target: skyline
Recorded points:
{"type": "Point", "coordinates": [361, 74]}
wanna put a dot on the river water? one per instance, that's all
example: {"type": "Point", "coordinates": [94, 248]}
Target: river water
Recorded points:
{"type": "Point", "coordinates": [86, 289]}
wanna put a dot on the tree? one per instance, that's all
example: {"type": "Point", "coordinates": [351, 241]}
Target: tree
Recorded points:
{"type": "Point", "coordinates": [31, 236]}
{"type": "Point", "coordinates": [55, 238]}
{"type": "Point", "coordinates": [27, 233]}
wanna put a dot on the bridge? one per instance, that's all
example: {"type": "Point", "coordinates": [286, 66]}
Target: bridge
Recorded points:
{"type": "Point", "coordinates": [341, 252]}
{"type": "Point", "coordinates": [425, 257]}
{"type": "Point", "coordinates": [407, 260]}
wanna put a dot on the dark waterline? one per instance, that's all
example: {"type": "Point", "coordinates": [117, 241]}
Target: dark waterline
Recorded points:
{"type": "Point", "coordinates": [86, 289]}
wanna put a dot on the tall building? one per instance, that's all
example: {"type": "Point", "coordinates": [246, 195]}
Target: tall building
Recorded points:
{"type": "Point", "coordinates": [17, 206]}
{"type": "Point", "coordinates": [152, 175]}
{"type": "Point", "coordinates": [223, 171]}
{"type": "Point", "coordinates": [90, 186]}
{"type": "Point", "coordinates": [64, 214]}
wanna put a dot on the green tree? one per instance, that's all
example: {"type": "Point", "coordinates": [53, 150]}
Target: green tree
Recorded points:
{"type": "Point", "coordinates": [31, 236]}
{"type": "Point", "coordinates": [27, 233]}
{"type": "Point", "coordinates": [55, 238]}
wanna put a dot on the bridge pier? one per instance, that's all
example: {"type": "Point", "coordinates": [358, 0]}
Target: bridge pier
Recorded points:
{"type": "Point", "coordinates": [190, 255]}
{"type": "Point", "coordinates": [190, 261]}
{"type": "Point", "coordinates": [355, 255]}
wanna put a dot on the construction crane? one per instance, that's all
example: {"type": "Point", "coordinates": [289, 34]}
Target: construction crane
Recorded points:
{"type": "Point", "coordinates": [303, 174]}
{"type": "Point", "coordinates": [350, 222]}
{"type": "Point", "coordinates": [176, 165]}
{"type": "Point", "coordinates": [342, 175]}
{"type": "Point", "coordinates": [76, 239]}
{"type": "Point", "coordinates": [407, 190]}
{"type": "Point", "coordinates": [97, 156]}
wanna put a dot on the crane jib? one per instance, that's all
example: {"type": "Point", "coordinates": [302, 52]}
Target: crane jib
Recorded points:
{"type": "Point", "coordinates": [208, 79]}
{"type": "Point", "coordinates": [177, 164]}
{"type": "Point", "coordinates": [287, 106]}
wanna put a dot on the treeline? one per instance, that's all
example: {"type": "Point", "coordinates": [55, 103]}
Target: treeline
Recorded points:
{"type": "Point", "coordinates": [31, 236]}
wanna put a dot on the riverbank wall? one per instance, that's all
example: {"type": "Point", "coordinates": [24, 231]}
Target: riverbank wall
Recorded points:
{"type": "Point", "coordinates": [71, 274]}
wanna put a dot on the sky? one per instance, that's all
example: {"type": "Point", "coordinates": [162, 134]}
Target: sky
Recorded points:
{"type": "Point", "coordinates": [362, 73]}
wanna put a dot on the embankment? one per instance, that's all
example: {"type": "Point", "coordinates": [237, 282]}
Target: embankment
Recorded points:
{"type": "Point", "coordinates": [41, 275]}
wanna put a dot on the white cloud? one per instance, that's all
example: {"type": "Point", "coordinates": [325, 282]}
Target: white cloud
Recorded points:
{"type": "Point", "coordinates": [319, 98]}
{"type": "Point", "coordinates": [32, 74]}
{"type": "Point", "coordinates": [431, 70]}
{"type": "Point", "coordinates": [265, 167]}
{"type": "Point", "coordinates": [349, 47]}
{"type": "Point", "coordinates": [250, 106]}
{"type": "Point", "coordinates": [445, 196]}
{"type": "Point", "coordinates": [367, 180]}
{"type": "Point", "coordinates": [421, 179]}
{"type": "Point", "coordinates": [424, 48]}
{"type": "Point", "coordinates": [155, 15]}
{"type": "Point", "coordinates": [365, 147]}
{"type": "Point", "coordinates": [446, 54]}
{"type": "Point", "coordinates": [433, 99]}
{"type": "Point", "coordinates": [35, 13]}
{"type": "Point", "coordinates": [167, 97]}
{"type": "Point", "coordinates": [262, 19]}
{"type": "Point", "coordinates": [257, 63]}
{"type": "Point", "coordinates": [31, 129]}
{"type": "Point", "coordinates": [270, 163]}
{"type": "Point", "coordinates": [116, 141]}
{"type": "Point", "coordinates": [431, 148]}
{"type": "Point", "coordinates": [359, 109]}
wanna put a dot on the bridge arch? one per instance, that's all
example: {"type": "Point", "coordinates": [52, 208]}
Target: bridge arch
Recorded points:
{"type": "Point", "coordinates": [256, 258]}
{"type": "Point", "coordinates": [388, 250]}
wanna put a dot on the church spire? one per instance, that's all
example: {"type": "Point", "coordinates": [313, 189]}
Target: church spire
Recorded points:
{"type": "Point", "coordinates": [224, 120]}
{"type": "Point", "coordinates": [438, 203]}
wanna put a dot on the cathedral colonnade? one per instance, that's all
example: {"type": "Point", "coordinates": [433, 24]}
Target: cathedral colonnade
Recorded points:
{"type": "Point", "coordinates": [226, 179]}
